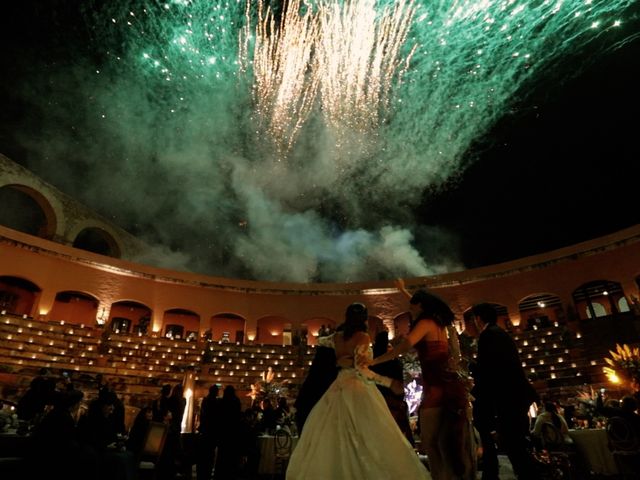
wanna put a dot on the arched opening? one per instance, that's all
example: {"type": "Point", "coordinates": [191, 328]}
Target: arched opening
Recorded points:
{"type": "Point", "coordinates": [605, 293]}
{"type": "Point", "coordinates": [74, 307]}
{"type": "Point", "coordinates": [270, 330]}
{"type": "Point", "coordinates": [129, 317]}
{"type": "Point", "coordinates": [27, 210]}
{"type": "Point", "coordinates": [623, 305]}
{"type": "Point", "coordinates": [541, 310]}
{"type": "Point", "coordinates": [17, 295]}
{"type": "Point", "coordinates": [314, 326]}
{"type": "Point", "coordinates": [596, 310]}
{"type": "Point", "coordinates": [97, 241]}
{"type": "Point", "coordinates": [181, 324]}
{"type": "Point", "coordinates": [226, 327]}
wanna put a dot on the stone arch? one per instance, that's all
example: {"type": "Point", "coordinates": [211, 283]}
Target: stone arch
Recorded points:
{"type": "Point", "coordinates": [623, 305]}
{"type": "Point", "coordinates": [137, 314]}
{"type": "Point", "coordinates": [313, 327]}
{"type": "Point", "coordinates": [227, 327]}
{"type": "Point", "coordinates": [74, 307]}
{"type": "Point", "coordinates": [37, 215]}
{"type": "Point", "coordinates": [97, 240]}
{"type": "Point", "coordinates": [604, 292]}
{"type": "Point", "coordinates": [598, 310]}
{"type": "Point", "coordinates": [541, 310]}
{"type": "Point", "coordinates": [18, 295]}
{"type": "Point", "coordinates": [180, 323]}
{"type": "Point", "coordinates": [270, 329]}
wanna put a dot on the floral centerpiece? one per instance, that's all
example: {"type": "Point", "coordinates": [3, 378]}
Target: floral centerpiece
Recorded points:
{"type": "Point", "coordinates": [624, 365]}
{"type": "Point", "coordinates": [412, 373]}
{"type": "Point", "coordinates": [587, 402]}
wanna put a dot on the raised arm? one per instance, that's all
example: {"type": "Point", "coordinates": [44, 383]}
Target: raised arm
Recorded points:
{"type": "Point", "coordinates": [418, 331]}
{"type": "Point", "coordinates": [400, 286]}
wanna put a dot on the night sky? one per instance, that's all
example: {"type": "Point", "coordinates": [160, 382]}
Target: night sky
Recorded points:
{"type": "Point", "coordinates": [562, 166]}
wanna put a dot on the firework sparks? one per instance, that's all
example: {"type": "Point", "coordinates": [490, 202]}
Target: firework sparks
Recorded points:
{"type": "Point", "coordinates": [209, 94]}
{"type": "Point", "coordinates": [283, 91]}
{"type": "Point", "coordinates": [359, 59]}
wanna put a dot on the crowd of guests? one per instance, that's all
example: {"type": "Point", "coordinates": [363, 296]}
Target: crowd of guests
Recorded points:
{"type": "Point", "coordinates": [73, 439]}
{"type": "Point", "coordinates": [70, 443]}
{"type": "Point", "coordinates": [229, 436]}
{"type": "Point", "coordinates": [94, 443]}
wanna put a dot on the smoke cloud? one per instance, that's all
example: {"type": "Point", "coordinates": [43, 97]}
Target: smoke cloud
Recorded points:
{"type": "Point", "coordinates": [153, 126]}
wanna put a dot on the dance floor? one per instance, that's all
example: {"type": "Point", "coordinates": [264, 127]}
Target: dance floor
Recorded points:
{"type": "Point", "coordinates": [506, 472]}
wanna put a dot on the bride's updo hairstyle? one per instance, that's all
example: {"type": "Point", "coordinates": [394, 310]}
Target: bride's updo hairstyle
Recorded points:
{"type": "Point", "coordinates": [432, 307]}
{"type": "Point", "coordinates": [355, 320]}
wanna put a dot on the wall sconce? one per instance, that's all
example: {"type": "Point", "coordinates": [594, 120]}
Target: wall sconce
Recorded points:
{"type": "Point", "coordinates": [102, 316]}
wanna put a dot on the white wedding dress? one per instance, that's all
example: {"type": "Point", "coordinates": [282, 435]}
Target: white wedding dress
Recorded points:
{"type": "Point", "coordinates": [351, 435]}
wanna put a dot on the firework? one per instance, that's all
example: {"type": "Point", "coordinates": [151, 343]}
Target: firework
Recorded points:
{"type": "Point", "coordinates": [214, 92]}
{"type": "Point", "coordinates": [358, 59]}
{"type": "Point", "coordinates": [283, 89]}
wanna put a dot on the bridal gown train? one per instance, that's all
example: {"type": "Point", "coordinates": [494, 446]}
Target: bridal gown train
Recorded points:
{"type": "Point", "coordinates": [351, 435]}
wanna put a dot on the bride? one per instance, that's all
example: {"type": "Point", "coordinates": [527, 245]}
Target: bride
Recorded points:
{"type": "Point", "coordinates": [350, 433]}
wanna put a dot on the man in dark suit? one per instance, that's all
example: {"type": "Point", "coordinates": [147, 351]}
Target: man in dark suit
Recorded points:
{"type": "Point", "coordinates": [503, 396]}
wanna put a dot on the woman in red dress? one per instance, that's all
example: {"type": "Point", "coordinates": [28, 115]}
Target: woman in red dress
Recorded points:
{"type": "Point", "coordinates": [444, 417]}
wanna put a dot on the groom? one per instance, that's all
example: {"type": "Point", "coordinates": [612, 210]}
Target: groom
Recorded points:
{"type": "Point", "coordinates": [503, 396]}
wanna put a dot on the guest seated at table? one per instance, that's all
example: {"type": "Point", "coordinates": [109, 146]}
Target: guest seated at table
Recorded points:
{"type": "Point", "coordinates": [161, 404]}
{"type": "Point", "coordinates": [117, 418]}
{"type": "Point", "coordinates": [40, 394]}
{"type": "Point", "coordinates": [550, 416]}
{"type": "Point", "coordinates": [138, 432]}
{"type": "Point", "coordinates": [56, 450]}
{"type": "Point", "coordinates": [626, 410]}
{"type": "Point", "coordinates": [98, 430]}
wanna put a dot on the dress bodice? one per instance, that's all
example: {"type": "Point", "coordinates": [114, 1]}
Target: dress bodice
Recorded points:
{"type": "Point", "coordinates": [434, 359]}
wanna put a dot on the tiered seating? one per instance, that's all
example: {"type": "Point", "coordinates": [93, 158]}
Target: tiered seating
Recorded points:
{"type": "Point", "coordinates": [139, 364]}
{"type": "Point", "coordinates": [558, 359]}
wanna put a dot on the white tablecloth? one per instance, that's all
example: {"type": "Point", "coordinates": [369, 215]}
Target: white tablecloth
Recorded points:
{"type": "Point", "coordinates": [592, 445]}
{"type": "Point", "coordinates": [267, 465]}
